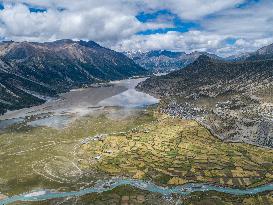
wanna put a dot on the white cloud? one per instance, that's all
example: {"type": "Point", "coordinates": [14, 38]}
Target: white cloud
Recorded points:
{"type": "Point", "coordinates": [192, 40]}
{"type": "Point", "coordinates": [252, 22]}
{"type": "Point", "coordinates": [113, 23]}
{"type": "Point", "coordinates": [17, 21]}
{"type": "Point", "coordinates": [98, 22]}
{"type": "Point", "coordinates": [192, 9]}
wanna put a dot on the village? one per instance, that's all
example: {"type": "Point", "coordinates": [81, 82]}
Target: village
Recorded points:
{"type": "Point", "coordinates": [172, 151]}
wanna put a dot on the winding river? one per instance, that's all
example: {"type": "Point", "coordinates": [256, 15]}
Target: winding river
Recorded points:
{"type": "Point", "coordinates": [147, 186]}
{"type": "Point", "coordinates": [85, 101]}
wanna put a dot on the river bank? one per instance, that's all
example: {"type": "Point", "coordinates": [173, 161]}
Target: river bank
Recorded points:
{"type": "Point", "coordinates": [136, 145]}
{"type": "Point", "coordinates": [105, 186]}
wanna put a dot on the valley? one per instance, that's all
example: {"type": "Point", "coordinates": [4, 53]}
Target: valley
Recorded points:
{"type": "Point", "coordinates": [142, 140]}
{"type": "Point", "coordinates": [122, 140]}
{"type": "Point", "coordinates": [141, 102]}
{"type": "Point", "coordinates": [31, 73]}
{"type": "Point", "coordinates": [233, 100]}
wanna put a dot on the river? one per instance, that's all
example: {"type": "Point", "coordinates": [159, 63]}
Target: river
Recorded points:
{"type": "Point", "coordinates": [100, 187]}
{"type": "Point", "coordinates": [60, 112]}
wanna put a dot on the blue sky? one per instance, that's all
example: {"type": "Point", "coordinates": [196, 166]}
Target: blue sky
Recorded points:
{"type": "Point", "coordinates": [222, 27]}
{"type": "Point", "coordinates": [178, 24]}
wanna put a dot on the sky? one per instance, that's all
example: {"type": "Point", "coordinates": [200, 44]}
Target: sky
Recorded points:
{"type": "Point", "coordinates": [223, 27]}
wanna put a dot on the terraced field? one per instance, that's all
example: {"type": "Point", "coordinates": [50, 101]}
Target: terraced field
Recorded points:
{"type": "Point", "coordinates": [144, 145]}
{"type": "Point", "coordinates": [172, 151]}
{"type": "Point", "coordinates": [44, 157]}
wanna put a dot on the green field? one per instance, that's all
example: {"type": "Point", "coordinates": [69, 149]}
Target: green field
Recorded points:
{"type": "Point", "coordinates": [172, 151]}
{"type": "Point", "coordinates": [146, 145]}
{"type": "Point", "coordinates": [42, 157]}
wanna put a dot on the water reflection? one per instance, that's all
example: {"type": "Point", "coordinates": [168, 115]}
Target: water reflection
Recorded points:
{"type": "Point", "coordinates": [130, 98]}
{"type": "Point", "coordinates": [6, 123]}
{"type": "Point", "coordinates": [81, 102]}
{"type": "Point", "coordinates": [57, 121]}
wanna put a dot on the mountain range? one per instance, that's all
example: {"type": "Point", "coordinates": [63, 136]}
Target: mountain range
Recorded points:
{"type": "Point", "coordinates": [233, 99]}
{"type": "Point", "coordinates": [30, 72]}
{"type": "Point", "coordinates": [164, 60]}
{"type": "Point", "coordinates": [232, 96]}
{"type": "Point", "coordinates": [263, 53]}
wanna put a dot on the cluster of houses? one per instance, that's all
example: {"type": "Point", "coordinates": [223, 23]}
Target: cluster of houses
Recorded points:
{"type": "Point", "coordinates": [98, 137]}
{"type": "Point", "coordinates": [185, 111]}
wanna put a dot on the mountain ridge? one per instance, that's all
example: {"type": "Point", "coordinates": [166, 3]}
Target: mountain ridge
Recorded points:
{"type": "Point", "coordinates": [54, 67]}
{"type": "Point", "coordinates": [165, 60]}
{"type": "Point", "coordinates": [263, 53]}
{"type": "Point", "coordinates": [233, 99]}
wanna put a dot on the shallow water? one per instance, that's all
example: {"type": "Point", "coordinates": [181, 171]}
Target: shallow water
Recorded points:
{"type": "Point", "coordinates": [103, 186]}
{"type": "Point", "coordinates": [80, 102]}
{"type": "Point", "coordinates": [55, 121]}
{"type": "Point", "coordinates": [130, 98]}
{"type": "Point", "coordinates": [8, 122]}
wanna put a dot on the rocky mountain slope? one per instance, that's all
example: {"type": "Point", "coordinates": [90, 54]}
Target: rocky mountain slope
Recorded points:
{"type": "Point", "coordinates": [263, 53]}
{"type": "Point", "coordinates": [238, 57]}
{"type": "Point", "coordinates": [29, 72]}
{"type": "Point", "coordinates": [233, 99]}
{"type": "Point", "coordinates": [165, 61]}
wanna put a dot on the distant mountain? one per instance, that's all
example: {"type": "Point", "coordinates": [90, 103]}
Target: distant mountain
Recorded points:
{"type": "Point", "coordinates": [262, 54]}
{"type": "Point", "coordinates": [238, 57]}
{"type": "Point", "coordinates": [233, 99]}
{"type": "Point", "coordinates": [165, 61]}
{"type": "Point", "coordinates": [29, 72]}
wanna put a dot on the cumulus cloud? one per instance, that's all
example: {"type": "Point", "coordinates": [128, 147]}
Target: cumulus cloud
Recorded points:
{"type": "Point", "coordinates": [113, 23]}
{"type": "Point", "coordinates": [193, 9]}
{"type": "Point", "coordinates": [99, 22]}
{"type": "Point", "coordinates": [189, 41]}
{"type": "Point", "coordinates": [18, 22]}
{"type": "Point", "coordinates": [253, 22]}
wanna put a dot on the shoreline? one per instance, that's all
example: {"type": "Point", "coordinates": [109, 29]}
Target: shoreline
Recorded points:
{"type": "Point", "coordinates": [58, 96]}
